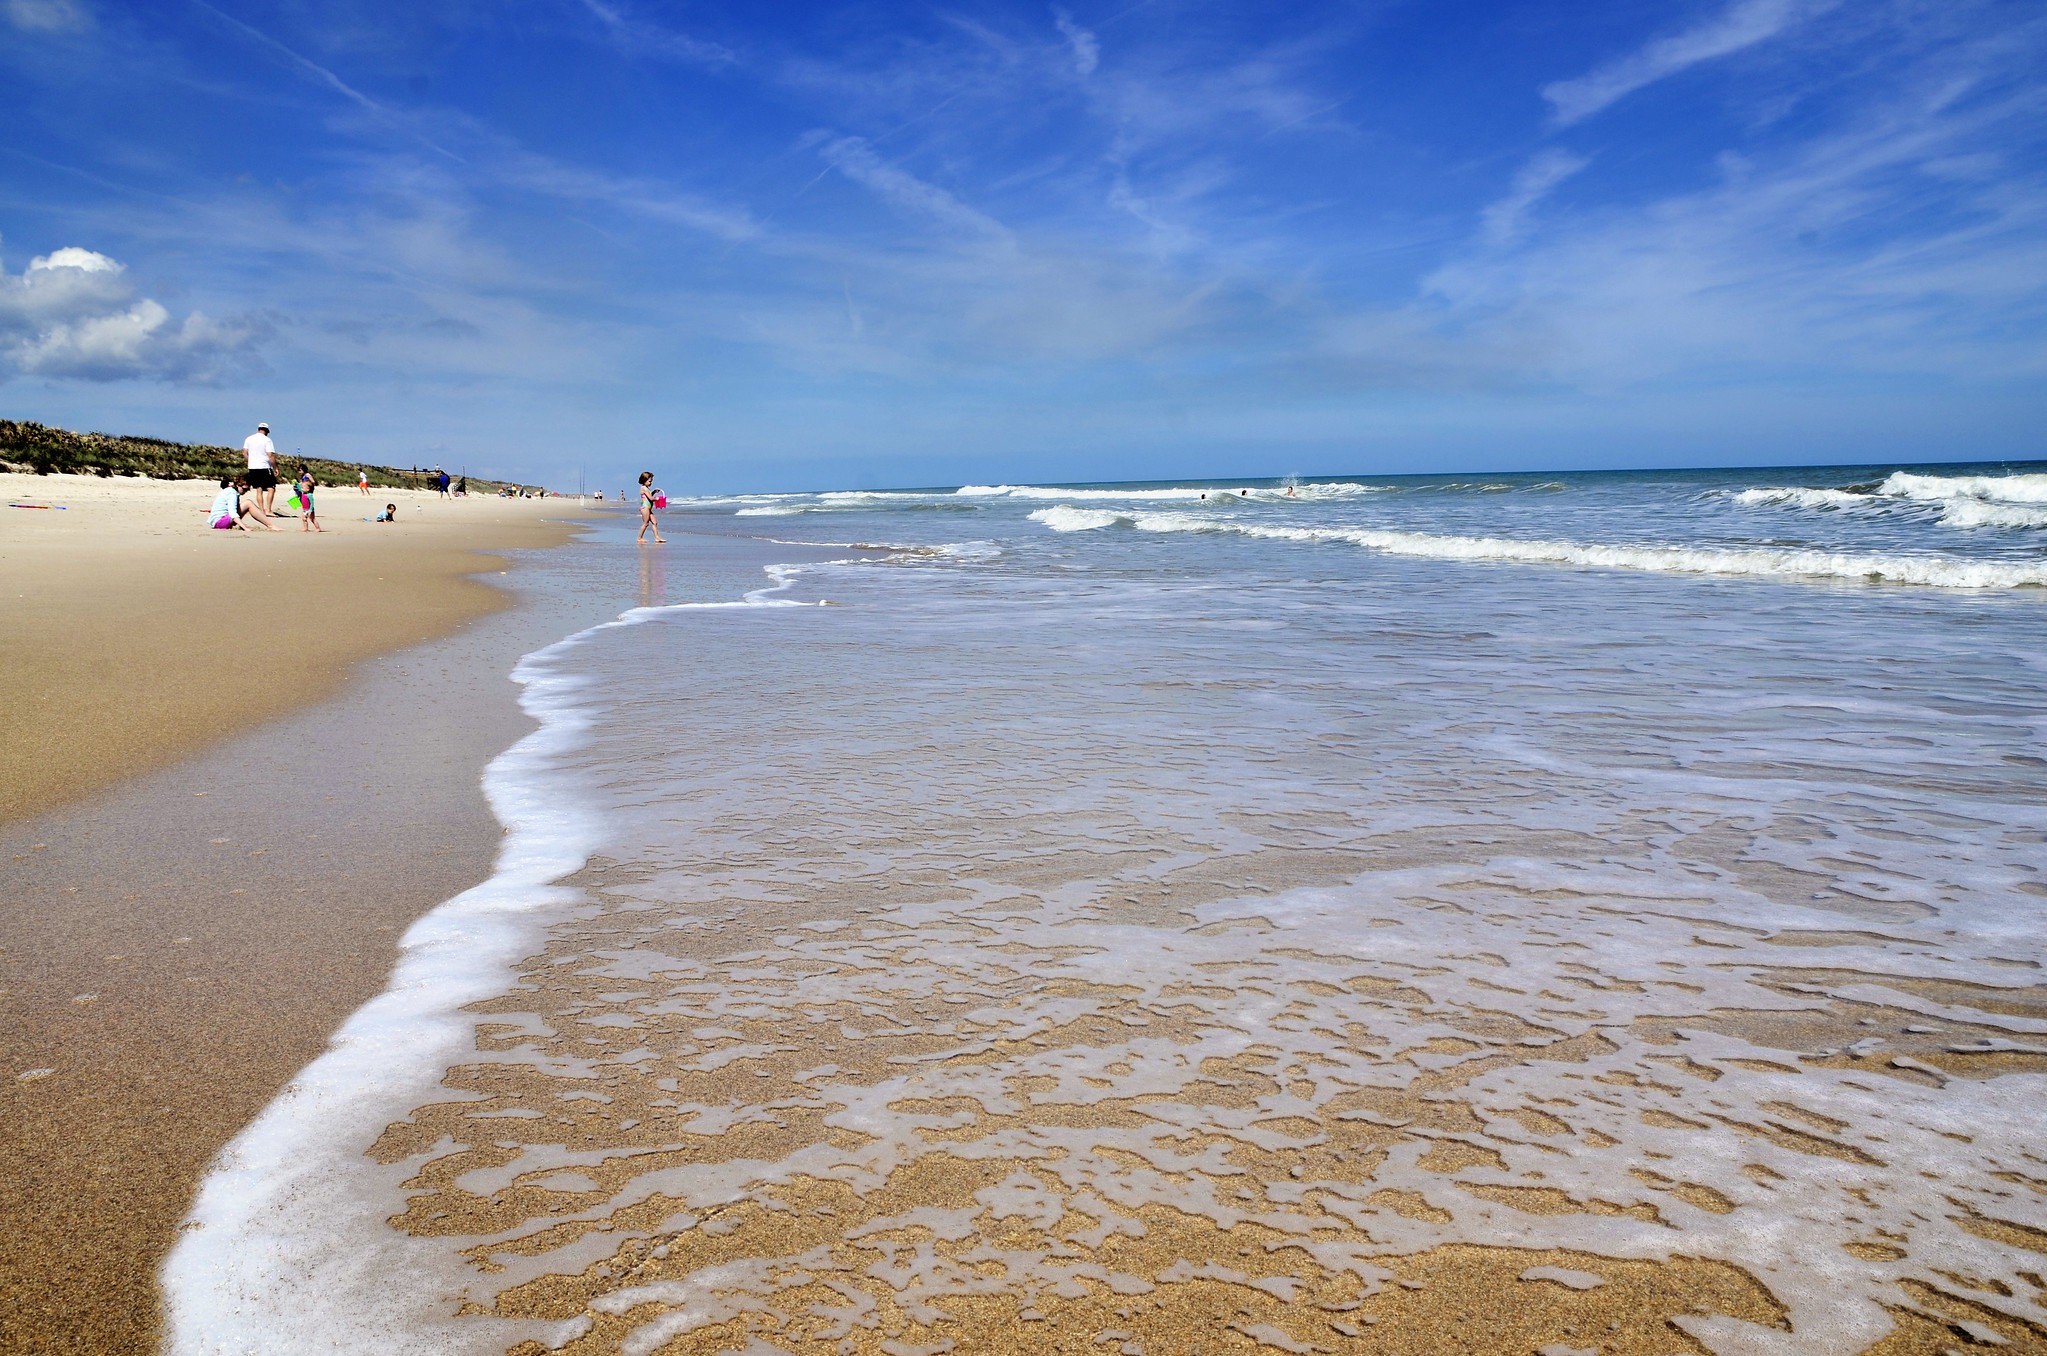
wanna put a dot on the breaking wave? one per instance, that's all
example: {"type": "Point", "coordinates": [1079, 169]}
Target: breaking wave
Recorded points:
{"type": "Point", "coordinates": [1195, 493]}
{"type": "Point", "coordinates": [1796, 496]}
{"type": "Point", "coordinates": [1774, 563]}
{"type": "Point", "coordinates": [1957, 501]}
{"type": "Point", "coordinates": [2030, 488]}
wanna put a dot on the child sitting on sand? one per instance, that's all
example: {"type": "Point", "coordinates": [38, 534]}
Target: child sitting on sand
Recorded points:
{"type": "Point", "coordinates": [389, 515]}
{"type": "Point", "coordinates": [226, 513]}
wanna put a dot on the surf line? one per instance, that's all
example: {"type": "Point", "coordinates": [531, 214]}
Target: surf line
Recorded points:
{"type": "Point", "coordinates": [286, 1248]}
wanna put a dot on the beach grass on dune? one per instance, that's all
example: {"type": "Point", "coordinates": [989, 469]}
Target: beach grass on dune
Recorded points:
{"type": "Point", "coordinates": [38, 449]}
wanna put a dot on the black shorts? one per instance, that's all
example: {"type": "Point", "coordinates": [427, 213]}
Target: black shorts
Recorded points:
{"type": "Point", "coordinates": [262, 478]}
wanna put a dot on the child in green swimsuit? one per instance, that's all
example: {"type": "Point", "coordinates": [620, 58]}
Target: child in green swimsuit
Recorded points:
{"type": "Point", "coordinates": [309, 521]}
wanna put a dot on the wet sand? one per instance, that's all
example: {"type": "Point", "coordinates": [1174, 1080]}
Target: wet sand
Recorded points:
{"type": "Point", "coordinates": [955, 981]}
{"type": "Point", "coordinates": [173, 947]}
{"type": "Point", "coordinates": [135, 635]}
{"type": "Point", "coordinates": [980, 1061]}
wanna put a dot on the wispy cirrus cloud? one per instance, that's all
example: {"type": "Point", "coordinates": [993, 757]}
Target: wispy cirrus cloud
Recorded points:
{"type": "Point", "coordinates": [1822, 255]}
{"type": "Point", "coordinates": [1743, 24]}
{"type": "Point", "coordinates": [1503, 217]}
{"type": "Point", "coordinates": [1085, 46]}
{"type": "Point", "coordinates": [47, 16]}
{"type": "Point", "coordinates": [639, 37]}
{"type": "Point", "coordinates": [855, 158]}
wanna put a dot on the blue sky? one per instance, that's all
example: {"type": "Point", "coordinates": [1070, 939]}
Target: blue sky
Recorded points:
{"type": "Point", "coordinates": [821, 245]}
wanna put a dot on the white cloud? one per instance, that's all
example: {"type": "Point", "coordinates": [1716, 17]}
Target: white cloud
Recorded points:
{"type": "Point", "coordinates": [1742, 25]}
{"type": "Point", "coordinates": [72, 313]}
{"type": "Point", "coordinates": [47, 16]}
{"type": "Point", "coordinates": [1817, 258]}
{"type": "Point", "coordinates": [1087, 49]}
{"type": "Point", "coordinates": [1503, 219]}
{"type": "Point", "coordinates": [85, 261]}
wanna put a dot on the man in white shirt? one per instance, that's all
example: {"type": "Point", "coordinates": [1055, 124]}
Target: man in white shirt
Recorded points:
{"type": "Point", "coordinates": [262, 454]}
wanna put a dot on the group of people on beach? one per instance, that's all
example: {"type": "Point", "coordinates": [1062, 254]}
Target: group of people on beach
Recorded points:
{"type": "Point", "coordinates": [249, 501]}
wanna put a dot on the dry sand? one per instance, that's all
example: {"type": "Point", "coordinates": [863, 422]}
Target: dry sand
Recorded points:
{"type": "Point", "coordinates": [183, 928]}
{"type": "Point", "coordinates": [135, 634]}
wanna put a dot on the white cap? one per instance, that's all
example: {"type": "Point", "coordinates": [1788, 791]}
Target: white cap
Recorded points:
{"type": "Point", "coordinates": [263, 426]}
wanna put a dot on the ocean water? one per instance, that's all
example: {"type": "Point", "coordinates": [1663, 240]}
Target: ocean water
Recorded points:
{"type": "Point", "coordinates": [1557, 913]}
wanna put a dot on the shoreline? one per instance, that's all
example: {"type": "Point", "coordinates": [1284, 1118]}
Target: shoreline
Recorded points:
{"type": "Point", "coordinates": [181, 945]}
{"type": "Point", "coordinates": [189, 923]}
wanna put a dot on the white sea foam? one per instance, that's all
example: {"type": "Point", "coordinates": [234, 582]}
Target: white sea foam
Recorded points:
{"type": "Point", "coordinates": [1796, 496]}
{"type": "Point", "coordinates": [286, 1248]}
{"type": "Point", "coordinates": [1042, 492]}
{"type": "Point", "coordinates": [1773, 563]}
{"type": "Point", "coordinates": [1987, 513]}
{"type": "Point", "coordinates": [1066, 518]}
{"type": "Point", "coordinates": [952, 550]}
{"type": "Point", "coordinates": [277, 1242]}
{"type": "Point", "coordinates": [1193, 493]}
{"type": "Point", "coordinates": [1961, 501]}
{"type": "Point", "coordinates": [854, 501]}
{"type": "Point", "coordinates": [2028, 488]}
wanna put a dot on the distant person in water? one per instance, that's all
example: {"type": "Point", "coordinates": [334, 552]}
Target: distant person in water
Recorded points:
{"type": "Point", "coordinates": [648, 494]}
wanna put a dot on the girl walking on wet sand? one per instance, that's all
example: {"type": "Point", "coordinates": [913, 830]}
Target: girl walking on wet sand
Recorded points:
{"type": "Point", "coordinates": [648, 503]}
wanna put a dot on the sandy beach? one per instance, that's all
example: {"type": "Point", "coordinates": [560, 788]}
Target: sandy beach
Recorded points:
{"type": "Point", "coordinates": [137, 635]}
{"type": "Point", "coordinates": [208, 863]}
{"type": "Point", "coordinates": [913, 949]}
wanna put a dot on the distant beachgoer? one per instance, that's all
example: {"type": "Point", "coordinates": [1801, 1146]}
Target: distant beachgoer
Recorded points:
{"type": "Point", "coordinates": [362, 480]}
{"type": "Point", "coordinates": [309, 519]}
{"type": "Point", "coordinates": [648, 494]}
{"type": "Point", "coordinates": [462, 488]}
{"type": "Point", "coordinates": [1289, 491]}
{"type": "Point", "coordinates": [262, 455]}
{"type": "Point", "coordinates": [389, 515]}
